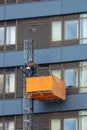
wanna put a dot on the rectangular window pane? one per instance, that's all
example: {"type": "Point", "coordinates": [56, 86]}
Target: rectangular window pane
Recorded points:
{"type": "Point", "coordinates": [83, 74]}
{"type": "Point", "coordinates": [84, 112]}
{"type": "Point", "coordinates": [55, 124]}
{"type": "Point", "coordinates": [56, 73]}
{"type": "Point", "coordinates": [9, 126]}
{"type": "Point", "coordinates": [71, 30]}
{"type": "Point", "coordinates": [1, 83]}
{"type": "Point", "coordinates": [10, 83]}
{"type": "Point", "coordinates": [83, 28]}
{"type": "Point", "coordinates": [1, 35]}
{"type": "Point", "coordinates": [70, 124]}
{"type": "Point", "coordinates": [1, 126]}
{"type": "Point", "coordinates": [56, 30]}
{"type": "Point", "coordinates": [83, 77]}
{"type": "Point", "coordinates": [83, 15]}
{"type": "Point", "coordinates": [10, 35]}
{"type": "Point", "coordinates": [83, 123]}
{"type": "Point", "coordinates": [71, 77]}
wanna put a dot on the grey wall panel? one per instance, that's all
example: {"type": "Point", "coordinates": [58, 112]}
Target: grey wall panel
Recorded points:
{"type": "Point", "coordinates": [72, 102]}
{"type": "Point", "coordinates": [30, 10]}
{"type": "Point", "coordinates": [74, 6]}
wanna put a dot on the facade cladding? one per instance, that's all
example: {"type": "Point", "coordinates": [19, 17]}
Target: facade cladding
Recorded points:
{"type": "Point", "coordinates": [60, 48]}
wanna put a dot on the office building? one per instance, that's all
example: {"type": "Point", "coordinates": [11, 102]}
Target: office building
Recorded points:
{"type": "Point", "coordinates": [60, 48]}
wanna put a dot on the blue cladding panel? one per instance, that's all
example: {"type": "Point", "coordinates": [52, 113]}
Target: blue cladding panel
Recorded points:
{"type": "Point", "coordinates": [61, 54]}
{"type": "Point", "coordinates": [30, 10]}
{"type": "Point", "coordinates": [2, 59]}
{"type": "Point", "coordinates": [2, 15]}
{"type": "Point", "coordinates": [72, 102]}
{"type": "Point", "coordinates": [73, 53]}
{"type": "Point", "coordinates": [38, 9]}
{"type": "Point", "coordinates": [74, 6]}
{"type": "Point", "coordinates": [1, 107]}
{"type": "Point", "coordinates": [11, 107]}
{"type": "Point", "coordinates": [47, 55]}
{"type": "Point", "coordinates": [14, 58]}
{"type": "Point", "coordinates": [43, 56]}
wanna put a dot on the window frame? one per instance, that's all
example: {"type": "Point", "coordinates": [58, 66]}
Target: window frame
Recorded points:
{"type": "Point", "coordinates": [82, 39]}
{"type": "Point", "coordinates": [8, 125]}
{"type": "Point", "coordinates": [60, 35]}
{"type": "Point", "coordinates": [9, 34]}
{"type": "Point", "coordinates": [76, 121]}
{"type": "Point", "coordinates": [58, 122]}
{"type": "Point", "coordinates": [3, 35]}
{"type": "Point", "coordinates": [1, 74]}
{"type": "Point", "coordinates": [77, 30]}
{"type": "Point", "coordinates": [8, 88]}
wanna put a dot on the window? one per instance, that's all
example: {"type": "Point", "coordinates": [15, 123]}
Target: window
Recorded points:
{"type": "Point", "coordinates": [56, 73]}
{"type": "Point", "coordinates": [55, 124]}
{"type": "Point", "coordinates": [71, 29]}
{"type": "Point", "coordinates": [83, 120]}
{"type": "Point", "coordinates": [1, 126]}
{"type": "Point", "coordinates": [10, 83]}
{"type": "Point", "coordinates": [9, 125]}
{"type": "Point", "coordinates": [56, 31]}
{"type": "Point", "coordinates": [10, 35]}
{"type": "Point", "coordinates": [83, 76]}
{"type": "Point", "coordinates": [1, 35]}
{"type": "Point", "coordinates": [1, 83]}
{"type": "Point", "coordinates": [70, 124]}
{"type": "Point", "coordinates": [71, 77]}
{"type": "Point", "coordinates": [83, 28]}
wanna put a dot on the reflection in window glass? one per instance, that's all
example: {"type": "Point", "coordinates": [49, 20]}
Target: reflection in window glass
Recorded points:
{"type": "Point", "coordinates": [9, 126]}
{"type": "Point", "coordinates": [70, 124]}
{"type": "Point", "coordinates": [71, 30]}
{"type": "Point", "coordinates": [83, 30]}
{"type": "Point", "coordinates": [10, 35]}
{"type": "Point", "coordinates": [1, 83]}
{"type": "Point", "coordinates": [1, 126]}
{"type": "Point", "coordinates": [1, 35]}
{"type": "Point", "coordinates": [56, 73]}
{"type": "Point", "coordinates": [56, 31]}
{"type": "Point", "coordinates": [10, 83]}
{"type": "Point", "coordinates": [71, 77]}
{"type": "Point", "coordinates": [55, 124]}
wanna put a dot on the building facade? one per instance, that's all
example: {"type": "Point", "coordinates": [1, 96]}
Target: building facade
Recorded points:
{"type": "Point", "coordinates": [60, 48]}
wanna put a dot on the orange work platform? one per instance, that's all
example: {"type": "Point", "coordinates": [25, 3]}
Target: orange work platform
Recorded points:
{"type": "Point", "coordinates": [45, 88]}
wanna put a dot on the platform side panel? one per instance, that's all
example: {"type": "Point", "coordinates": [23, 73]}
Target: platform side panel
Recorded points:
{"type": "Point", "coordinates": [59, 88]}
{"type": "Point", "coordinates": [37, 84]}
